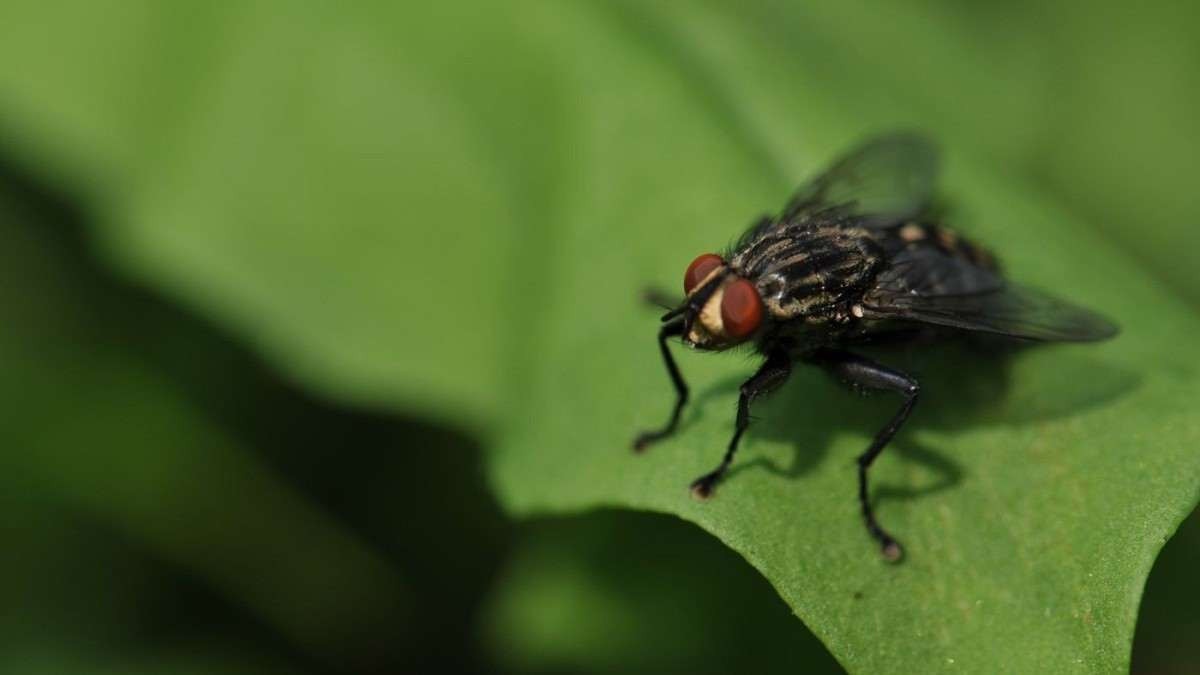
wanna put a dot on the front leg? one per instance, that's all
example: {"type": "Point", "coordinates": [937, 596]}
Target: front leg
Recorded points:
{"type": "Point", "coordinates": [645, 438]}
{"type": "Point", "coordinates": [773, 373]}
{"type": "Point", "coordinates": [863, 373]}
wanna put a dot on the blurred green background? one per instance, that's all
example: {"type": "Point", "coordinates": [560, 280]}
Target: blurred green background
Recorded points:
{"type": "Point", "coordinates": [255, 340]}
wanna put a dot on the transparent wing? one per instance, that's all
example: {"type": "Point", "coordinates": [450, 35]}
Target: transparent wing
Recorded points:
{"type": "Point", "coordinates": [954, 293]}
{"type": "Point", "coordinates": [886, 180]}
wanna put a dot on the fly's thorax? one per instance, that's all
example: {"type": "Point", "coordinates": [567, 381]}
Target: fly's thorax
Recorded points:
{"type": "Point", "coordinates": [816, 275]}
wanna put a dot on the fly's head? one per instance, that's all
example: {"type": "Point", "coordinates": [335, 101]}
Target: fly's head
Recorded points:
{"type": "Point", "coordinates": [722, 309]}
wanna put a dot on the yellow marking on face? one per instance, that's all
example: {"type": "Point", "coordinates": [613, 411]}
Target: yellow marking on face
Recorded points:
{"type": "Point", "coordinates": [710, 315]}
{"type": "Point", "coordinates": [701, 333]}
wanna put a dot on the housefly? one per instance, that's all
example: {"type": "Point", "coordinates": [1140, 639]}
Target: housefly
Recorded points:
{"type": "Point", "coordinates": [857, 255]}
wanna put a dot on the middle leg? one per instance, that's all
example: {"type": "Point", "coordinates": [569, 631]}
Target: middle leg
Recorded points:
{"type": "Point", "coordinates": [862, 373]}
{"type": "Point", "coordinates": [773, 372]}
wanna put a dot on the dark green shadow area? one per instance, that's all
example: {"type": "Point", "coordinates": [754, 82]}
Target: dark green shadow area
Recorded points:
{"type": "Point", "coordinates": [173, 505]}
{"type": "Point", "coordinates": [628, 592]}
{"type": "Point", "coordinates": [1165, 642]}
{"type": "Point", "coordinates": [965, 385]}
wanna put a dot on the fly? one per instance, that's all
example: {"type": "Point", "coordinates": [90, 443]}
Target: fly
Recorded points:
{"type": "Point", "coordinates": [856, 256]}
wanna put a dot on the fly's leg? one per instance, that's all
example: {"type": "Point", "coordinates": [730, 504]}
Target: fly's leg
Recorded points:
{"type": "Point", "coordinates": [681, 390]}
{"type": "Point", "coordinates": [773, 373]}
{"type": "Point", "coordinates": [861, 373]}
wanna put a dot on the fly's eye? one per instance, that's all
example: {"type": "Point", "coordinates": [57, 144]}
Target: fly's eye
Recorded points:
{"type": "Point", "coordinates": [700, 268]}
{"type": "Point", "coordinates": [741, 309]}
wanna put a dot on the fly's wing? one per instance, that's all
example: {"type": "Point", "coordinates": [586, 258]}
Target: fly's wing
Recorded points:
{"type": "Point", "coordinates": [881, 183]}
{"type": "Point", "coordinates": [925, 287]}
{"type": "Point", "coordinates": [884, 181]}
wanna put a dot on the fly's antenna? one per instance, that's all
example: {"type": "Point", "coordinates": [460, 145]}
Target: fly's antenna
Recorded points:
{"type": "Point", "coordinates": [660, 298]}
{"type": "Point", "coordinates": [678, 311]}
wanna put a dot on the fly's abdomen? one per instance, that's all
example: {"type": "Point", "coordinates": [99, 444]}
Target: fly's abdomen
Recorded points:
{"type": "Point", "coordinates": [946, 241]}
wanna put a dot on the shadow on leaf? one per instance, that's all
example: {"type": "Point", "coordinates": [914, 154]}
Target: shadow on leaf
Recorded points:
{"type": "Point", "coordinates": [966, 384]}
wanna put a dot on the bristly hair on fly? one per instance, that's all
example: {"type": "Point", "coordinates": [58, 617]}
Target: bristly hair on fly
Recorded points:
{"type": "Point", "coordinates": [859, 255]}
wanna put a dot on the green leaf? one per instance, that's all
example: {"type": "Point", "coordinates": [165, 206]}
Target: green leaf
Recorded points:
{"type": "Point", "coordinates": [1031, 517]}
{"type": "Point", "coordinates": [454, 210]}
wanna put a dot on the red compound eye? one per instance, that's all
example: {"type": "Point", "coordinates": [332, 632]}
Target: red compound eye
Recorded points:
{"type": "Point", "coordinates": [700, 268]}
{"type": "Point", "coordinates": [741, 309]}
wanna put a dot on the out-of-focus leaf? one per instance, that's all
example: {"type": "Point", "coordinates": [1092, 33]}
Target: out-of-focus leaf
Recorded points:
{"type": "Point", "coordinates": [91, 429]}
{"type": "Point", "coordinates": [1121, 142]}
{"type": "Point", "coordinates": [307, 181]}
{"type": "Point", "coordinates": [201, 660]}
